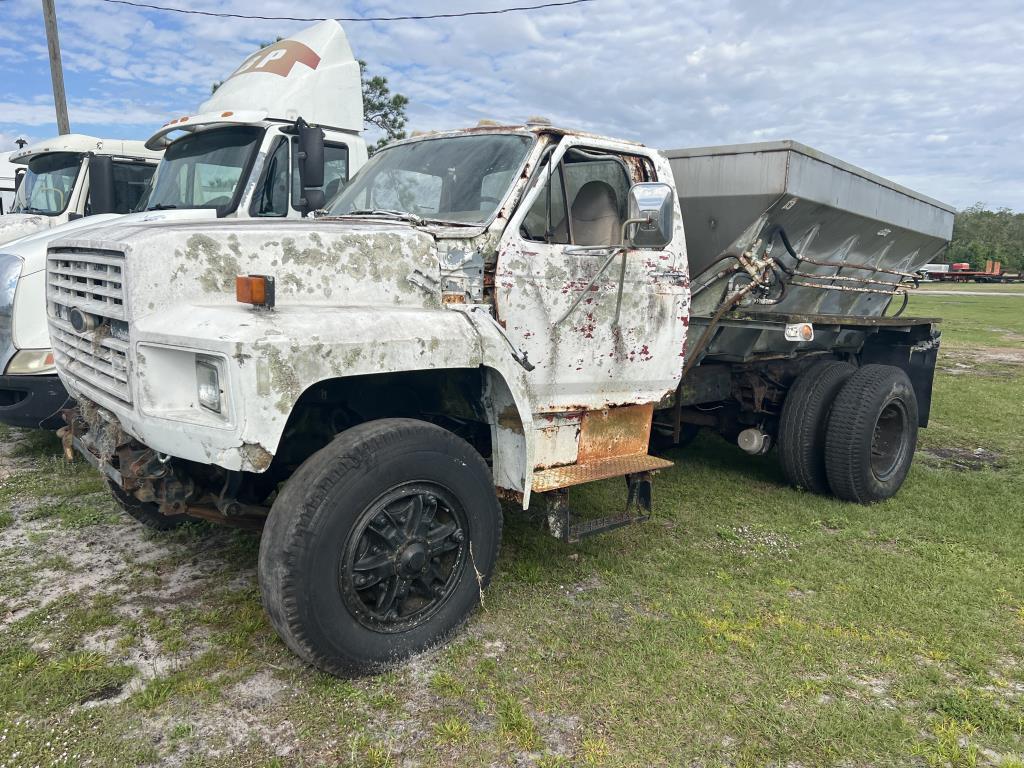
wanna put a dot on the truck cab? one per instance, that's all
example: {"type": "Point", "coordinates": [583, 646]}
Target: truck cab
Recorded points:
{"type": "Point", "coordinates": [72, 176]}
{"type": "Point", "coordinates": [222, 162]}
{"type": "Point", "coordinates": [243, 154]}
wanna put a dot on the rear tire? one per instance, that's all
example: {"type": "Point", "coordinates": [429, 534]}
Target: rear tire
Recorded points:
{"type": "Point", "coordinates": [379, 546]}
{"type": "Point", "coordinates": [147, 513]}
{"type": "Point", "coordinates": [802, 426]}
{"type": "Point", "coordinates": [872, 434]}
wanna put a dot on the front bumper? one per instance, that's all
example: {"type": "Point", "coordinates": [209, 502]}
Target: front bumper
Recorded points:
{"type": "Point", "coordinates": [32, 401]}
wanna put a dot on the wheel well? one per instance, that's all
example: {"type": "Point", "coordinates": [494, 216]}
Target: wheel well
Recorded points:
{"type": "Point", "coordinates": [450, 398]}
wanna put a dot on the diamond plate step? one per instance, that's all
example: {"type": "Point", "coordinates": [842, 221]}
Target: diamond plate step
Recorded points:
{"type": "Point", "coordinates": [599, 469]}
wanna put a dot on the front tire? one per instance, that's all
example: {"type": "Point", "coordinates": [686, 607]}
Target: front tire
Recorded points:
{"type": "Point", "coordinates": [379, 546]}
{"type": "Point", "coordinates": [872, 434]}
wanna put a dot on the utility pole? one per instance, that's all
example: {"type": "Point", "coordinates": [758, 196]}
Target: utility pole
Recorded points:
{"type": "Point", "coordinates": [56, 71]}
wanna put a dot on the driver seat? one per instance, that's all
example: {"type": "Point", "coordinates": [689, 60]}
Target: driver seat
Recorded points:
{"type": "Point", "coordinates": [595, 215]}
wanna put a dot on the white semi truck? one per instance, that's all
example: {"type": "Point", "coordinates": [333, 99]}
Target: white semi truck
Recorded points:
{"type": "Point", "coordinates": [8, 179]}
{"type": "Point", "coordinates": [500, 312]}
{"type": "Point", "coordinates": [262, 147]}
{"type": "Point", "coordinates": [72, 176]}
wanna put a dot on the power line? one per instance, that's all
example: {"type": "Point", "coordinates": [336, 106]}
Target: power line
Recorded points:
{"type": "Point", "coordinates": [349, 18]}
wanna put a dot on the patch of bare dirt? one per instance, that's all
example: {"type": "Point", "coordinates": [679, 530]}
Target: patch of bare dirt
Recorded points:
{"type": "Point", "coordinates": [964, 459]}
{"type": "Point", "coordinates": [54, 562]}
{"type": "Point", "coordinates": [963, 360]}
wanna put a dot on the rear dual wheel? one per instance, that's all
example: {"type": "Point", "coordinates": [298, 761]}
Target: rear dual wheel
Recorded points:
{"type": "Point", "coordinates": [871, 435]}
{"type": "Point", "coordinates": [805, 416]}
{"type": "Point", "coordinates": [849, 432]}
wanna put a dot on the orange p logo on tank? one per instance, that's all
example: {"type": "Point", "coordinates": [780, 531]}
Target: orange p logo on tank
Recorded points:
{"type": "Point", "coordinates": [279, 58]}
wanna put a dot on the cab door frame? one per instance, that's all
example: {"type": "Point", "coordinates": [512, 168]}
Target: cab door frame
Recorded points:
{"type": "Point", "coordinates": [585, 363]}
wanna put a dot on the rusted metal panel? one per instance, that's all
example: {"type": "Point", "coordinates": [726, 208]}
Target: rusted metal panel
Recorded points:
{"type": "Point", "coordinates": [577, 474]}
{"type": "Point", "coordinates": [623, 431]}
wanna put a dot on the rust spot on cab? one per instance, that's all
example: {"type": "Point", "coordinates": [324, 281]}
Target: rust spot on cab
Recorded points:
{"type": "Point", "coordinates": [257, 456]}
{"type": "Point", "coordinates": [509, 419]}
{"type": "Point", "coordinates": [622, 431]}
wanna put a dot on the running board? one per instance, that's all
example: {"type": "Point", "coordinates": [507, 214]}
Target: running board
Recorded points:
{"type": "Point", "coordinates": [599, 469]}
{"type": "Point", "coordinates": [562, 524]}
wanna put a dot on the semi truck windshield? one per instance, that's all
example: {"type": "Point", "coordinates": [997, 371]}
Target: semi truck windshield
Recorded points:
{"type": "Point", "coordinates": [203, 170]}
{"type": "Point", "coordinates": [460, 178]}
{"type": "Point", "coordinates": [48, 184]}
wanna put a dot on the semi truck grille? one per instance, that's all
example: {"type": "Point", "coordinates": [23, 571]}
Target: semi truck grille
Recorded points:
{"type": "Point", "coordinates": [89, 285]}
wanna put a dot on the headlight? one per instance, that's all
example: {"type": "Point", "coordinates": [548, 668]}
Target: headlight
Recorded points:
{"type": "Point", "coordinates": [31, 362]}
{"type": "Point", "coordinates": [208, 385]}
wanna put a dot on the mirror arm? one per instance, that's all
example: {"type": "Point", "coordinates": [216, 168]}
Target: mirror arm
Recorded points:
{"type": "Point", "coordinates": [622, 272]}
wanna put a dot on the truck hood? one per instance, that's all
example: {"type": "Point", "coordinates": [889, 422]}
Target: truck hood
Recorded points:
{"type": "Point", "coordinates": [31, 249]}
{"type": "Point", "coordinates": [17, 225]}
{"type": "Point", "coordinates": [322, 263]}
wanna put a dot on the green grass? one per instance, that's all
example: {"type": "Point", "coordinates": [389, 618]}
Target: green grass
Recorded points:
{"type": "Point", "coordinates": [995, 321]}
{"type": "Point", "coordinates": [984, 287]}
{"type": "Point", "coordinates": [746, 624]}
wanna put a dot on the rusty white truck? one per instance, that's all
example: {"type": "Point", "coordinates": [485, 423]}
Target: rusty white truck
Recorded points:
{"type": "Point", "coordinates": [504, 312]}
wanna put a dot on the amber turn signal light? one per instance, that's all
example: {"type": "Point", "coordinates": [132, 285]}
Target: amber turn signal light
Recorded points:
{"type": "Point", "coordinates": [257, 290]}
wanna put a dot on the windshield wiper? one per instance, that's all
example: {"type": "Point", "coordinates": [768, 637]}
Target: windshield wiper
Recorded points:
{"type": "Point", "coordinates": [162, 207]}
{"type": "Point", "coordinates": [404, 215]}
{"type": "Point", "coordinates": [31, 209]}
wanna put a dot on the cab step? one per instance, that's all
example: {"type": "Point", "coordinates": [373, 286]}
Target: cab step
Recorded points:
{"type": "Point", "coordinates": [597, 469]}
{"type": "Point", "coordinates": [564, 525]}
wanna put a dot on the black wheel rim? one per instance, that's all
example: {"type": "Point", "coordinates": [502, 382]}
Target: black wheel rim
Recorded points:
{"type": "Point", "coordinates": [405, 557]}
{"type": "Point", "coordinates": [889, 440]}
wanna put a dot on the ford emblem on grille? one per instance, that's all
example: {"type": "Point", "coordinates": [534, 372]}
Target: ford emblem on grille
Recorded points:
{"type": "Point", "coordinates": [82, 321]}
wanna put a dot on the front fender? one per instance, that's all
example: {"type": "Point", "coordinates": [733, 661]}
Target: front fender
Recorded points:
{"type": "Point", "coordinates": [267, 359]}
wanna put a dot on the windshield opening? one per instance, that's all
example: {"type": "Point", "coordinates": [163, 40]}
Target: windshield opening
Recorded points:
{"type": "Point", "coordinates": [48, 184]}
{"type": "Point", "coordinates": [203, 170]}
{"type": "Point", "coordinates": [460, 178]}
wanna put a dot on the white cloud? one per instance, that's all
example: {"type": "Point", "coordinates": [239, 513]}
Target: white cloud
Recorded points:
{"type": "Point", "coordinates": [923, 91]}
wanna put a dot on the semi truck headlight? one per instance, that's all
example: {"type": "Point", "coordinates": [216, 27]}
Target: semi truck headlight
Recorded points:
{"type": "Point", "coordinates": [208, 385]}
{"type": "Point", "coordinates": [31, 362]}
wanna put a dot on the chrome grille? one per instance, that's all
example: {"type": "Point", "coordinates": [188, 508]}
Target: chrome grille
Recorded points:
{"type": "Point", "coordinates": [92, 282]}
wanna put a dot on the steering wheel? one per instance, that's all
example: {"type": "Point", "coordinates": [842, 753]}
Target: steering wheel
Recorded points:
{"type": "Point", "coordinates": [59, 192]}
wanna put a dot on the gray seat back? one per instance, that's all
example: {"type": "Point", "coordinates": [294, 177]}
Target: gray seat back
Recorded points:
{"type": "Point", "coordinates": [595, 215]}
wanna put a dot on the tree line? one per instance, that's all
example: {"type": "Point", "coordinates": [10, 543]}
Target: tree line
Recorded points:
{"type": "Point", "coordinates": [980, 234]}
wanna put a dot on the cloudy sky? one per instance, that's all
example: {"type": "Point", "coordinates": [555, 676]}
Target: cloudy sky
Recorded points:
{"type": "Point", "coordinates": [929, 93]}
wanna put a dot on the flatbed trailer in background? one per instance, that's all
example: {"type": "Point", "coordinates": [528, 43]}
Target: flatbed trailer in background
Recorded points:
{"type": "Point", "coordinates": [961, 272]}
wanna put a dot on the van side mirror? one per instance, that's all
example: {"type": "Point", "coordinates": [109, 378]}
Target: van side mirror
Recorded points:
{"type": "Point", "coordinates": [652, 214]}
{"type": "Point", "coordinates": [19, 176]}
{"type": "Point", "coordinates": [101, 184]}
{"type": "Point", "coordinates": [311, 166]}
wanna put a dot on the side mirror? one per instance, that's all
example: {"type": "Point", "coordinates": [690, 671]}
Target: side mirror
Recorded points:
{"type": "Point", "coordinates": [314, 200]}
{"type": "Point", "coordinates": [101, 184]}
{"type": "Point", "coordinates": [19, 176]}
{"type": "Point", "coordinates": [652, 211]}
{"type": "Point", "coordinates": [311, 166]}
